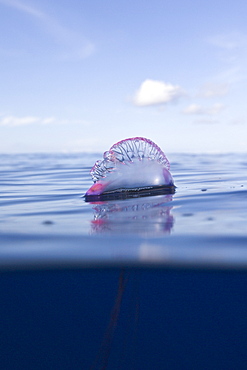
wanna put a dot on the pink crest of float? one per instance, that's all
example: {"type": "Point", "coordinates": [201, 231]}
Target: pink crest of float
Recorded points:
{"type": "Point", "coordinates": [136, 148]}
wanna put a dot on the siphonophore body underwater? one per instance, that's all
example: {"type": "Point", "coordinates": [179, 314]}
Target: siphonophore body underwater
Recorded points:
{"type": "Point", "coordinates": [131, 168]}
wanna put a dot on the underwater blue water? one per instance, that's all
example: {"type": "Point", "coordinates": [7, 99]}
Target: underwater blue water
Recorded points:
{"type": "Point", "coordinates": [145, 283]}
{"type": "Point", "coordinates": [44, 219]}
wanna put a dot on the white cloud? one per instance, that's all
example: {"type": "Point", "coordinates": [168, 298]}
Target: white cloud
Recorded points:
{"type": "Point", "coordinates": [193, 109]}
{"type": "Point", "coordinates": [23, 7]}
{"type": "Point", "coordinates": [229, 41]}
{"type": "Point", "coordinates": [232, 51]}
{"type": "Point", "coordinates": [29, 120]}
{"type": "Point", "coordinates": [214, 89]}
{"type": "Point", "coordinates": [215, 109]}
{"type": "Point", "coordinates": [48, 120]}
{"type": "Point", "coordinates": [153, 92]}
{"type": "Point", "coordinates": [238, 121]}
{"type": "Point", "coordinates": [198, 109]}
{"type": "Point", "coordinates": [206, 121]}
{"type": "Point", "coordinates": [70, 44]}
{"type": "Point", "coordinates": [18, 121]}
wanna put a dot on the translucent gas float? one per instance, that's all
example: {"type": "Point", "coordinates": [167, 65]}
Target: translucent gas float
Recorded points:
{"type": "Point", "coordinates": [131, 168]}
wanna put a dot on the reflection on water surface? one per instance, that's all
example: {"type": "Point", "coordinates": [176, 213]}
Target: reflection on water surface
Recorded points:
{"type": "Point", "coordinates": [146, 216]}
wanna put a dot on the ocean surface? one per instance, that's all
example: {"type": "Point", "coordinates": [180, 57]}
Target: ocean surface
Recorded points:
{"type": "Point", "coordinates": [155, 282]}
{"type": "Point", "coordinates": [44, 220]}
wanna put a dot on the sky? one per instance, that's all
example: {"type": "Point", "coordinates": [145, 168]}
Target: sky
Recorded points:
{"type": "Point", "coordinates": [79, 76]}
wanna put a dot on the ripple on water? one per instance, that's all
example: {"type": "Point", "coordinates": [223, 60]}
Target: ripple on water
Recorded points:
{"type": "Point", "coordinates": [42, 199]}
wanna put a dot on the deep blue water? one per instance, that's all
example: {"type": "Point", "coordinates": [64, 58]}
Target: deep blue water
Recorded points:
{"type": "Point", "coordinates": [148, 283]}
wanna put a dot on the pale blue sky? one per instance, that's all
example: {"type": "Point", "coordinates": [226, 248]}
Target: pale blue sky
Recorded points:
{"type": "Point", "coordinates": [82, 75]}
